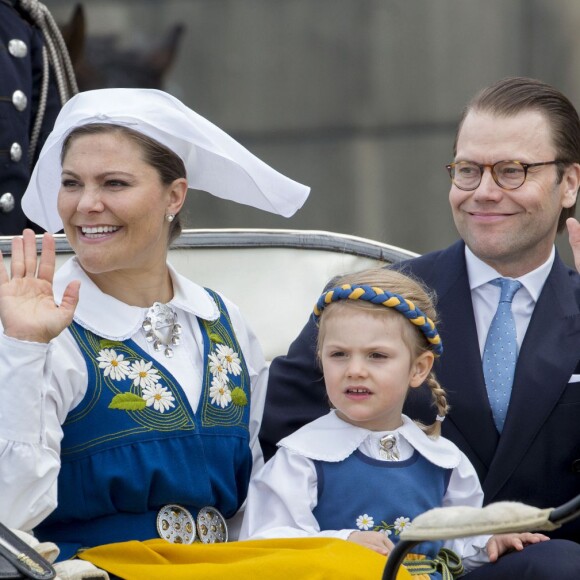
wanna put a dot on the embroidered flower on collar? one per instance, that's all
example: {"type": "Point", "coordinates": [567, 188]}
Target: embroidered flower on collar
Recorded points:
{"type": "Point", "coordinates": [223, 362]}
{"type": "Point", "coordinates": [143, 374]}
{"type": "Point", "coordinates": [220, 394]}
{"type": "Point", "coordinates": [113, 364]}
{"type": "Point", "coordinates": [158, 396]}
{"type": "Point", "coordinates": [229, 359]}
{"type": "Point", "coordinates": [217, 367]}
{"type": "Point", "coordinates": [365, 522]}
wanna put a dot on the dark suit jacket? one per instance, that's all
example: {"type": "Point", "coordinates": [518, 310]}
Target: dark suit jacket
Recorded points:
{"type": "Point", "coordinates": [537, 458]}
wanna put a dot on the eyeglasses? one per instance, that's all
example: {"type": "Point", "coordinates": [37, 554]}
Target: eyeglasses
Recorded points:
{"type": "Point", "coordinates": [466, 175]}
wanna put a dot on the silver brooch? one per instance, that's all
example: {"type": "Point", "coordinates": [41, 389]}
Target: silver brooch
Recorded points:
{"type": "Point", "coordinates": [388, 448]}
{"type": "Point", "coordinates": [161, 328]}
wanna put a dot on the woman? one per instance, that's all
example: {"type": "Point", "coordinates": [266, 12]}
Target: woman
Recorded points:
{"type": "Point", "coordinates": [135, 341]}
{"type": "Point", "coordinates": [132, 404]}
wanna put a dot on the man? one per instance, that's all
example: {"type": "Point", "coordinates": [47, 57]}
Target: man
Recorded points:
{"type": "Point", "coordinates": [515, 180]}
{"type": "Point", "coordinates": [32, 58]}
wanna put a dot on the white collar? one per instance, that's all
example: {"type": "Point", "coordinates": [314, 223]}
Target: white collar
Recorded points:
{"type": "Point", "coordinates": [329, 438]}
{"type": "Point", "coordinates": [112, 319]}
{"type": "Point", "coordinates": [480, 273]}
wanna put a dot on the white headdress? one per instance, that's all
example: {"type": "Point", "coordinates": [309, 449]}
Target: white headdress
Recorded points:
{"type": "Point", "coordinates": [214, 161]}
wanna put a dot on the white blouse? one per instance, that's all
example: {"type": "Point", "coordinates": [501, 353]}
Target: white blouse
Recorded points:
{"type": "Point", "coordinates": [283, 494]}
{"type": "Point", "coordinates": [41, 383]}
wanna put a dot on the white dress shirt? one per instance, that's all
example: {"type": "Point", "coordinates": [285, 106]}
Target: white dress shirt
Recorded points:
{"type": "Point", "coordinates": [485, 296]}
{"type": "Point", "coordinates": [41, 383]}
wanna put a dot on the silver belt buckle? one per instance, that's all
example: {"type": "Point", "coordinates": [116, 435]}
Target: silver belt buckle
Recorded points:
{"type": "Point", "coordinates": [211, 526]}
{"type": "Point", "coordinates": [176, 525]}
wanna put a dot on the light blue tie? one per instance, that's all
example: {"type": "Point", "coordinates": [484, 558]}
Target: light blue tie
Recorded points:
{"type": "Point", "coordinates": [501, 352]}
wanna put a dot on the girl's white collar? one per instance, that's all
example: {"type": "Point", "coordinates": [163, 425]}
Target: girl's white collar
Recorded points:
{"type": "Point", "coordinates": [329, 438]}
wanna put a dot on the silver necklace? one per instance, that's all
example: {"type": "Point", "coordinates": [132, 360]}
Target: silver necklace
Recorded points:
{"type": "Point", "coordinates": [161, 328]}
{"type": "Point", "coordinates": [388, 448]}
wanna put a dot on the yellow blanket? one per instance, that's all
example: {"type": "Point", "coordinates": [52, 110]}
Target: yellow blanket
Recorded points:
{"type": "Point", "coordinates": [305, 558]}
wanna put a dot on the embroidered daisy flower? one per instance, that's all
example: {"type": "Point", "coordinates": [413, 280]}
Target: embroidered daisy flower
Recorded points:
{"type": "Point", "coordinates": [217, 367]}
{"type": "Point", "coordinates": [365, 522]}
{"type": "Point", "coordinates": [387, 532]}
{"type": "Point", "coordinates": [113, 363]}
{"type": "Point", "coordinates": [220, 393]}
{"type": "Point", "coordinates": [143, 375]}
{"type": "Point", "coordinates": [159, 397]}
{"type": "Point", "coordinates": [401, 523]}
{"type": "Point", "coordinates": [229, 358]}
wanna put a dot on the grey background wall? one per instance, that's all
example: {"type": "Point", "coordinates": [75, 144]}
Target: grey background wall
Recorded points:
{"type": "Point", "coordinates": [357, 98]}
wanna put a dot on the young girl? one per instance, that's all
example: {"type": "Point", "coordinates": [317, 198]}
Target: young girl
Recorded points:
{"type": "Point", "coordinates": [365, 470]}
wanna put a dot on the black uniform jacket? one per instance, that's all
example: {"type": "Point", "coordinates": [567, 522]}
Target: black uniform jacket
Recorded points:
{"type": "Point", "coordinates": [20, 88]}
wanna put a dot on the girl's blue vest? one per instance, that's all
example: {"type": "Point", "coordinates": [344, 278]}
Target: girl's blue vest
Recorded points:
{"type": "Point", "coordinates": [371, 495]}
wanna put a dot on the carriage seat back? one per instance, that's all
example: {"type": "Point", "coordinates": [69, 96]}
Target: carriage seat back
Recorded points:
{"type": "Point", "coordinates": [274, 276]}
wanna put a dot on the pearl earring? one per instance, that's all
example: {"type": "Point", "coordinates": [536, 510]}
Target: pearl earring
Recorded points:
{"type": "Point", "coordinates": [170, 217]}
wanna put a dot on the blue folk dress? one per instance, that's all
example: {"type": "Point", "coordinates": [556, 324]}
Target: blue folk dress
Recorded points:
{"type": "Point", "coordinates": [134, 444]}
{"type": "Point", "coordinates": [330, 479]}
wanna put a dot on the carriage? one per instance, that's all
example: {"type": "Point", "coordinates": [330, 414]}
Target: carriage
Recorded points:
{"type": "Point", "coordinates": [290, 267]}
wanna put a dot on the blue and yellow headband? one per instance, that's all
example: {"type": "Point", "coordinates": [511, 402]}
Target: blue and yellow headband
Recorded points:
{"type": "Point", "coordinates": [382, 297]}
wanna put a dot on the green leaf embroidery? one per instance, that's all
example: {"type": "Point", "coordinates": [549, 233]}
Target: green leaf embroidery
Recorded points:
{"type": "Point", "coordinates": [108, 344]}
{"type": "Point", "coordinates": [239, 397]}
{"type": "Point", "coordinates": [215, 338]}
{"type": "Point", "coordinates": [127, 402]}
{"type": "Point", "coordinates": [383, 527]}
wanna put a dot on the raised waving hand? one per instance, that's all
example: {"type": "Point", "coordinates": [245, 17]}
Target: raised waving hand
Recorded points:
{"type": "Point", "coordinates": [27, 307]}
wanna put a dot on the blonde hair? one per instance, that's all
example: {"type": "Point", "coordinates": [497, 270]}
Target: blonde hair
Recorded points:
{"type": "Point", "coordinates": [412, 290]}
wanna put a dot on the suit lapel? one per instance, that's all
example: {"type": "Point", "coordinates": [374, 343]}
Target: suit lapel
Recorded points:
{"type": "Point", "coordinates": [547, 359]}
{"type": "Point", "coordinates": [460, 364]}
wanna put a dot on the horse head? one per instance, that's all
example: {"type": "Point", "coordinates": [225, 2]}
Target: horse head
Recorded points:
{"type": "Point", "coordinates": [101, 62]}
